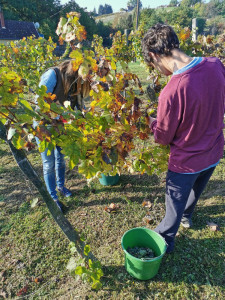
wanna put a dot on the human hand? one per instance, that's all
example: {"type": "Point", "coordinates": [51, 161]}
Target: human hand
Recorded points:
{"type": "Point", "coordinates": [150, 120]}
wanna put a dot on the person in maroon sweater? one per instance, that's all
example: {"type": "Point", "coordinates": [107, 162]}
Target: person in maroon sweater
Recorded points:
{"type": "Point", "coordinates": [190, 118]}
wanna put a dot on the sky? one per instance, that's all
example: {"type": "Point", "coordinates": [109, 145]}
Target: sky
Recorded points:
{"type": "Point", "coordinates": [116, 4]}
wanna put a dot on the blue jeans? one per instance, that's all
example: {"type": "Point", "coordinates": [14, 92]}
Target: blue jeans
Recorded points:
{"type": "Point", "coordinates": [53, 170]}
{"type": "Point", "coordinates": [182, 194]}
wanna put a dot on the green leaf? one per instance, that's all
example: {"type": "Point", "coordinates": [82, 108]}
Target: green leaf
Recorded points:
{"type": "Point", "coordinates": [50, 148]}
{"type": "Point", "coordinates": [44, 106]}
{"type": "Point", "coordinates": [113, 65]}
{"type": "Point", "coordinates": [17, 141]}
{"type": "Point", "coordinates": [62, 22]}
{"type": "Point", "coordinates": [99, 273]}
{"type": "Point", "coordinates": [95, 265]}
{"type": "Point", "coordinates": [80, 270]}
{"type": "Point", "coordinates": [26, 104]}
{"type": "Point", "coordinates": [42, 146]}
{"type": "Point", "coordinates": [96, 285]}
{"type": "Point", "coordinates": [24, 118]}
{"type": "Point", "coordinates": [87, 169]}
{"type": "Point", "coordinates": [56, 108]}
{"type": "Point", "coordinates": [30, 112]}
{"type": "Point", "coordinates": [87, 250]}
{"type": "Point", "coordinates": [74, 159]}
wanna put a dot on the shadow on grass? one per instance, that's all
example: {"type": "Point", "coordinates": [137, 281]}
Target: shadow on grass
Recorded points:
{"type": "Point", "coordinates": [4, 153]}
{"type": "Point", "coordinates": [209, 213]}
{"type": "Point", "coordinates": [127, 186]}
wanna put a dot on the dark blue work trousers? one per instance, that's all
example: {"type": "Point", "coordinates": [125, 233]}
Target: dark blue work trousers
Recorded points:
{"type": "Point", "coordinates": [182, 194]}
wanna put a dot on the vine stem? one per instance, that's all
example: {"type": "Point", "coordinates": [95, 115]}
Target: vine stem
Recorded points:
{"type": "Point", "coordinates": [7, 117]}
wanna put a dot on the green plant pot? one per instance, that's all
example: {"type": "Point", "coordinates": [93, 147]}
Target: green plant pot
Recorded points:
{"type": "Point", "coordinates": [143, 237]}
{"type": "Point", "coordinates": [109, 180]}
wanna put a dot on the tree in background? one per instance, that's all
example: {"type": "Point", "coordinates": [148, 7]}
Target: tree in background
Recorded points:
{"type": "Point", "coordinates": [149, 18]}
{"type": "Point", "coordinates": [133, 4]}
{"type": "Point", "coordinates": [125, 22]}
{"type": "Point", "coordinates": [94, 12]}
{"type": "Point", "coordinates": [214, 12]}
{"type": "Point", "coordinates": [211, 16]}
{"type": "Point", "coordinates": [104, 31]}
{"type": "Point", "coordinates": [105, 10]}
{"type": "Point", "coordinates": [216, 7]}
{"type": "Point", "coordinates": [180, 15]}
{"type": "Point", "coordinates": [108, 9]}
{"type": "Point", "coordinates": [100, 10]}
{"type": "Point", "coordinates": [45, 12]}
{"type": "Point", "coordinates": [173, 2]}
{"type": "Point", "coordinates": [189, 3]}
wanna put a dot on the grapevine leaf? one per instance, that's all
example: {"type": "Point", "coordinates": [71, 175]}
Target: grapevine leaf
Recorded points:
{"type": "Point", "coordinates": [87, 250]}
{"type": "Point", "coordinates": [96, 285]}
{"type": "Point", "coordinates": [24, 118]}
{"type": "Point", "coordinates": [80, 270]}
{"type": "Point", "coordinates": [57, 109]}
{"type": "Point", "coordinates": [26, 104]}
{"type": "Point", "coordinates": [78, 58]}
{"type": "Point", "coordinates": [113, 65]}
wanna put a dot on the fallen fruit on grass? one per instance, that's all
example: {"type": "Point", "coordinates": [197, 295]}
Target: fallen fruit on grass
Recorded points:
{"type": "Point", "coordinates": [148, 219]}
{"type": "Point", "coordinates": [147, 204]}
{"type": "Point", "coordinates": [213, 226]}
{"type": "Point", "coordinates": [112, 207]}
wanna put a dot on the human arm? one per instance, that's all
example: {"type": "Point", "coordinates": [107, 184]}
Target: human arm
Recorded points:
{"type": "Point", "coordinates": [169, 116]}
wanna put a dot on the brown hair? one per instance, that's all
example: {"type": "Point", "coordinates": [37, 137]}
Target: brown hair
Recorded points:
{"type": "Point", "coordinates": [71, 81]}
{"type": "Point", "coordinates": [159, 39]}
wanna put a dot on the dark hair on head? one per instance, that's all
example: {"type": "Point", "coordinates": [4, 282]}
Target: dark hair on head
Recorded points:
{"type": "Point", "coordinates": [159, 39]}
{"type": "Point", "coordinates": [71, 80]}
{"type": "Point", "coordinates": [68, 74]}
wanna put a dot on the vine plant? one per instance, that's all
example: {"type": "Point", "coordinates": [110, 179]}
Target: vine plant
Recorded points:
{"type": "Point", "coordinates": [103, 138]}
{"type": "Point", "coordinates": [100, 140]}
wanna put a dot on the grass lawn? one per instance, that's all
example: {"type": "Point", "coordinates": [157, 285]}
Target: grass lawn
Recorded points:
{"type": "Point", "coordinates": [34, 252]}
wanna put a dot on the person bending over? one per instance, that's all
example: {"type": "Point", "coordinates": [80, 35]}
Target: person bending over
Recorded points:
{"type": "Point", "coordinates": [62, 81]}
{"type": "Point", "coordinates": [190, 119]}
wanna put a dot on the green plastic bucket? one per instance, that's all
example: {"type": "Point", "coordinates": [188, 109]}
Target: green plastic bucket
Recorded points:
{"type": "Point", "coordinates": [109, 180]}
{"type": "Point", "coordinates": [143, 237]}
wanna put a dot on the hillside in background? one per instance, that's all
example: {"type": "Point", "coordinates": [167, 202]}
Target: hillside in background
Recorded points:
{"type": "Point", "coordinates": [113, 18]}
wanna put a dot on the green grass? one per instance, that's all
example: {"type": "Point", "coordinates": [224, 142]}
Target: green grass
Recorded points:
{"type": "Point", "coordinates": [32, 247]}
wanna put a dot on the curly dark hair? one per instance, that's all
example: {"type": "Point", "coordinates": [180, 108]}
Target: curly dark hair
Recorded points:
{"type": "Point", "coordinates": [159, 39]}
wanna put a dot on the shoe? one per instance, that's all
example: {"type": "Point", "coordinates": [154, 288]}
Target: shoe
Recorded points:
{"type": "Point", "coordinates": [65, 192]}
{"type": "Point", "coordinates": [186, 223]}
{"type": "Point", "coordinates": [169, 249]}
